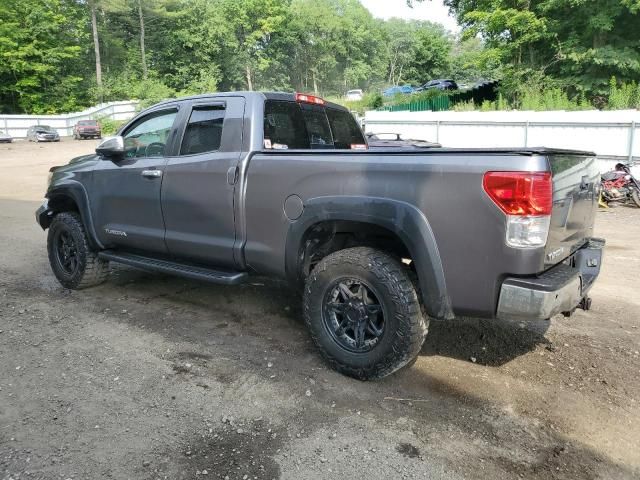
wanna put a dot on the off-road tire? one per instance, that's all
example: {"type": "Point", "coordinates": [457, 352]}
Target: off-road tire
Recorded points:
{"type": "Point", "coordinates": [91, 270]}
{"type": "Point", "coordinates": [405, 328]}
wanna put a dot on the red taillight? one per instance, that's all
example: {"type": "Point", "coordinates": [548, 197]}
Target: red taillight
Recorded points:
{"type": "Point", "coordinates": [520, 193]}
{"type": "Point", "coordinates": [303, 97]}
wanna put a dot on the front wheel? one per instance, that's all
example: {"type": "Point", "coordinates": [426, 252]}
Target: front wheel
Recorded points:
{"type": "Point", "coordinates": [363, 312]}
{"type": "Point", "coordinates": [73, 262]}
{"type": "Point", "coordinates": [635, 196]}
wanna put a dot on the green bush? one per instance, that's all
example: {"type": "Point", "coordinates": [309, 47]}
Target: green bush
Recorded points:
{"type": "Point", "coordinates": [370, 101]}
{"type": "Point", "coordinates": [624, 96]}
{"type": "Point", "coordinates": [109, 126]}
{"type": "Point", "coordinates": [128, 86]}
{"type": "Point", "coordinates": [469, 106]}
{"type": "Point", "coordinates": [553, 98]}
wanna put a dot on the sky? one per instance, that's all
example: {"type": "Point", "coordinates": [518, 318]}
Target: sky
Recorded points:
{"type": "Point", "coordinates": [433, 10]}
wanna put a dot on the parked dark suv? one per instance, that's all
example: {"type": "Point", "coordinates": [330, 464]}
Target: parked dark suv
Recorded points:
{"type": "Point", "coordinates": [42, 133]}
{"type": "Point", "coordinates": [86, 129]}
{"type": "Point", "coordinates": [440, 84]}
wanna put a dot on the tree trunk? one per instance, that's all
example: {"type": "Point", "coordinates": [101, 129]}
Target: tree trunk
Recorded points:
{"type": "Point", "coordinates": [392, 68]}
{"type": "Point", "coordinates": [315, 83]}
{"type": "Point", "coordinates": [96, 44]}
{"type": "Point", "coordinates": [249, 82]}
{"type": "Point", "coordinates": [143, 56]}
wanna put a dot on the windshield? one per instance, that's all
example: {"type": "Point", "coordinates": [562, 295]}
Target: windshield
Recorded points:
{"type": "Point", "coordinates": [91, 123]}
{"type": "Point", "coordinates": [44, 128]}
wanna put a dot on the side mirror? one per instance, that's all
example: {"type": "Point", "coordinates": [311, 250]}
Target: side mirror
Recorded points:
{"type": "Point", "coordinates": [111, 147]}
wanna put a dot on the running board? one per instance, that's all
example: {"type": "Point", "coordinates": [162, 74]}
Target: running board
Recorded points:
{"type": "Point", "coordinates": [174, 268]}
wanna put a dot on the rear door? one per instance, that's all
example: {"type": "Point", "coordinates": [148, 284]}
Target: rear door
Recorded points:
{"type": "Point", "coordinates": [575, 203]}
{"type": "Point", "coordinates": [198, 186]}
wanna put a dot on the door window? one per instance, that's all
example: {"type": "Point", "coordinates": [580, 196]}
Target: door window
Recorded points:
{"type": "Point", "coordinates": [204, 130]}
{"type": "Point", "coordinates": [148, 136]}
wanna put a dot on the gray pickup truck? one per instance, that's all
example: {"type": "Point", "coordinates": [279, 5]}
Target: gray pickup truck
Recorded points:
{"type": "Point", "coordinates": [221, 187]}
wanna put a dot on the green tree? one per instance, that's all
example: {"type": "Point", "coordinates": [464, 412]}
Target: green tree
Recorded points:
{"type": "Point", "coordinates": [338, 45]}
{"type": "Point", "coordinates": [41, 48]}
{"type": "Point", "coordinates": [251, 24]}
{"type": "Point", "coordinates": [578, 44]}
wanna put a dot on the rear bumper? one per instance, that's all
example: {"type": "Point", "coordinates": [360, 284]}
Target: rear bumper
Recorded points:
{"type": "Point", "coordinates": [558, 290]}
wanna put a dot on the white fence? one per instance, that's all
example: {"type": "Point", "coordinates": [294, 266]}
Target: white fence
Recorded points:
{"type": "Point", "coordinates": [612, 135]}
{"type": "Point", "coordinates": [17, 125]}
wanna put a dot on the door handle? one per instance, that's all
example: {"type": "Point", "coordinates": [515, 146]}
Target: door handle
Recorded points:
{"type": "Point", "coordinates": [232, 175]}
{"type": "Point", "coordinates": [152, 173]}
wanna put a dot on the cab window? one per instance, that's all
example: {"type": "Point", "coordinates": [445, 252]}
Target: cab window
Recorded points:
{"type": "Point", "coordinates": [346, 131]}
{"type": "Point", "coordinates": [284, 126]}
{"type": "Point", "coordinates": [293, 125]}
{"type": "Point", "coordinates": [148, 136]}
{"type": "Point", "coordinates": [204, 130]}
{"type": "Point", "coordinates": [315, 119]}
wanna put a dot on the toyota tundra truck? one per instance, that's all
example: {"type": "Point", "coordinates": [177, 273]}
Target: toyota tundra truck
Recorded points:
{"type": "Point", "coordinates": [224, 186]}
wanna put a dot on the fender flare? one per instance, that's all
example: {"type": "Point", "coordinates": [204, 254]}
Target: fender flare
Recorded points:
{"type": "Point", "coordinates": [76, 192]}
{"type": "Point", "coordinates": [401, 218]}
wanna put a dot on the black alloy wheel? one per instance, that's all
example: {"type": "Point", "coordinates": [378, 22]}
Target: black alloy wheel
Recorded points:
{"type": "Point", "coordinates": [353, 315]}
{"type": "Point", "coordinates": [66, 252]}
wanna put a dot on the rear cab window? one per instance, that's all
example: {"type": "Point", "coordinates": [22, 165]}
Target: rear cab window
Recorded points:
{"type": "Point", "coordinates": [294, 125]}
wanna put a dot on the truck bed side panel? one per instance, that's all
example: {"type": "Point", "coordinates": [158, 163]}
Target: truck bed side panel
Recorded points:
{"type": "Point", "coordinates": [469, 229]}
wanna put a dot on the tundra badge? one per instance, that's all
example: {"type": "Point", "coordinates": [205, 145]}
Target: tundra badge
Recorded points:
{"type": "Point", "coordinates": [551, 256]}
{"type": "Point", "coordinates": [119, 233]}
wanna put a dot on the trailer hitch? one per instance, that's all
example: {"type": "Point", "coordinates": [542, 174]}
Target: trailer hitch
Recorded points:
{"type": "Point", "coordinates": [585, 304]}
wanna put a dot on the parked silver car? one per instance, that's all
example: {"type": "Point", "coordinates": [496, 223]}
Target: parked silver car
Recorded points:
{"type": "Point", "coordinates": [42, 133]}
{"type": "Point", "coordinates": [5, 138]}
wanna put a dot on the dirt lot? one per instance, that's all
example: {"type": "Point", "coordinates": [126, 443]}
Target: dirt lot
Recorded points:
{"type": "Point", "coordinates": [149, 376]}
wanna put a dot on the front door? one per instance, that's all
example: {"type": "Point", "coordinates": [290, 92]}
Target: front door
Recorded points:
{"type": "Point", "coordinates": [125, 199]}
{"type": "Point", "coordinates": [198, 187]}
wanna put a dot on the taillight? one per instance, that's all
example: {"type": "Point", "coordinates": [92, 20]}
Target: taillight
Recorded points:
{"type": "Point", "coordinates": [527, 200]}
{"type": "Point", "coordinates": [303, 97]}
{"type": "Point", "coordinates": [520, 193]}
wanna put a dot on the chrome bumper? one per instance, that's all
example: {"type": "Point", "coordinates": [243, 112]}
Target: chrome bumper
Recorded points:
{"type": "Point", "coordinates": [561, 289]}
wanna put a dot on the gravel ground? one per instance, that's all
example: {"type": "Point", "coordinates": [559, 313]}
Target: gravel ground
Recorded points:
{"type": "Point", "coordinates": [154, 377]}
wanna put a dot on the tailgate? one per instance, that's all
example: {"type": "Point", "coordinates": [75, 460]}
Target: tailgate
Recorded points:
{"type": "Point", "coordinates": [575, 203]}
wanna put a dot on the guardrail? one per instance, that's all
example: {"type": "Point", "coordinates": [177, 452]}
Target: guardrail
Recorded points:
{"type": "Point", "coordinates": [17, 125]}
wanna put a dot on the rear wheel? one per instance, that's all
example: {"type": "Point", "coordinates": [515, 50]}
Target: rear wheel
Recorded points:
{"type": "Point", "coordinates": [363, 312]}
{"type": "Point", "coordinates": [73, 262]}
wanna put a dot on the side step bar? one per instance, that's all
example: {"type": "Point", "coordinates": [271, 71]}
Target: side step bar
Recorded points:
{"type": "Point", "coordinates": [174, 268]}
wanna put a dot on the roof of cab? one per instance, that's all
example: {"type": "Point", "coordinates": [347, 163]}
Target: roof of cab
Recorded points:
{"type": "Point", "coordinates": [283, 96]}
